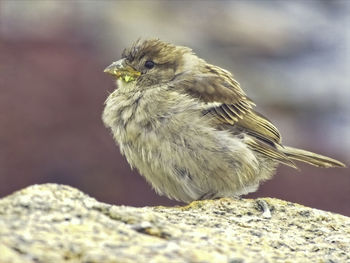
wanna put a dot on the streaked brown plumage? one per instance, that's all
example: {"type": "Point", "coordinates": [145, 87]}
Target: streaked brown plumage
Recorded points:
{"type": "Point", "coordinates": [189, 128]}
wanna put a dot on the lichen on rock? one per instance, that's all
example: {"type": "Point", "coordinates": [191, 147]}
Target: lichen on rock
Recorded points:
{"type": "Point", "coordinates": [57, 223]}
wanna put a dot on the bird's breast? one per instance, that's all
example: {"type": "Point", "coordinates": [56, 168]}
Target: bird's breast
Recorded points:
{"type": "Point", "coordinates": [142, 114]}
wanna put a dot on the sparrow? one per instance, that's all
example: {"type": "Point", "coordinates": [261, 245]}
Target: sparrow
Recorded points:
{"type": "Point", "coordinates": [189, 128]}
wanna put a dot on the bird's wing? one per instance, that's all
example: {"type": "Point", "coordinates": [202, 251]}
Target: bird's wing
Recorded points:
{"type": "Point", "coordinates": [223, 98]}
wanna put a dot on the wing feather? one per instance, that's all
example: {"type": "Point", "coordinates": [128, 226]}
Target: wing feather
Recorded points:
{"type": "Point", "coordinates": [223, 115]}
{"type": "Point", "coordinates": [232, 114]}
{"type": "Point", "coordinates": [259, 125]}
{"type": "Point", "coordinates": [269, 151]}
{"type": "Point", "coordinates": [232, 108]}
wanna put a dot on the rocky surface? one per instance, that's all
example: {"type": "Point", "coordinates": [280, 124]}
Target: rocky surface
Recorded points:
{"type": "Point", "coordinates": [57, 223]}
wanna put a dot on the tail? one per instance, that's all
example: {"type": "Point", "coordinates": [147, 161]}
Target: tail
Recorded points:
{"type": "Point", "coordinates": [311, 158]}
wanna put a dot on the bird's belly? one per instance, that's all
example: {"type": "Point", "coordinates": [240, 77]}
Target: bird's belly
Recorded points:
{"type": "Point", "coordinates": [192, 162]}
{"type": "Point", "coordinates": [179, 152]}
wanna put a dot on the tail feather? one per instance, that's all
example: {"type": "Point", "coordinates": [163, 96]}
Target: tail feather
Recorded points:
{"type": "Point", "coordinates": [311, 158]}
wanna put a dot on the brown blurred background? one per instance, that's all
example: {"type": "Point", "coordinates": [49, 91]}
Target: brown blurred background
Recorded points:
{"type": "Point", "coordinates": [291, 57]}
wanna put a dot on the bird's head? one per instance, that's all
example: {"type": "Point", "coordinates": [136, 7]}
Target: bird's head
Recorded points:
{"type": "Point", "coordinates": [151, 62]}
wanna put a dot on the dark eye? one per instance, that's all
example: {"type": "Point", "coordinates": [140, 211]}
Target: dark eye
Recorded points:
{"type": "Point", "coordinates": [149, 64]}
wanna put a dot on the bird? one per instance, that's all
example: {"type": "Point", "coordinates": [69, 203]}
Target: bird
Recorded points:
{"type": "Point", "coordinates": [188, 127]}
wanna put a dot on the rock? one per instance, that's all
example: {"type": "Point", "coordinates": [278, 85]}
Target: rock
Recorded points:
{"type": "Point", "coordinates": [56, 223]}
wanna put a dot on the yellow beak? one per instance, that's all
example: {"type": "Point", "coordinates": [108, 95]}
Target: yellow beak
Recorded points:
{"type": "Point", "coordinates": [123, 71]}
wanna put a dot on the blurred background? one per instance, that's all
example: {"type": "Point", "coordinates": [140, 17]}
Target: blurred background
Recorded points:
{"type": "Point", "coordinates": [291, 57]}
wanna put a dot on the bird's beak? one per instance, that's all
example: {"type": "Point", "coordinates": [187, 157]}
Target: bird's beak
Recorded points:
{"type": "Point", "coordinates": [123, 71]}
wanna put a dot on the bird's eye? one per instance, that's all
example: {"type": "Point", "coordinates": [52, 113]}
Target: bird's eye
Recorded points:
{"type": "Point", "coordinates": [149, 64]}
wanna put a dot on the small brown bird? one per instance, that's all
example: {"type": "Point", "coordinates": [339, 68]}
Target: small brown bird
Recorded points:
{"type": "Point", "coordinates": [189, 128]}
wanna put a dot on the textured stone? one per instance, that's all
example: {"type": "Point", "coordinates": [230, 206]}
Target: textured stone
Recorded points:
{"type": "Point", "coordinates": [57, 223]}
